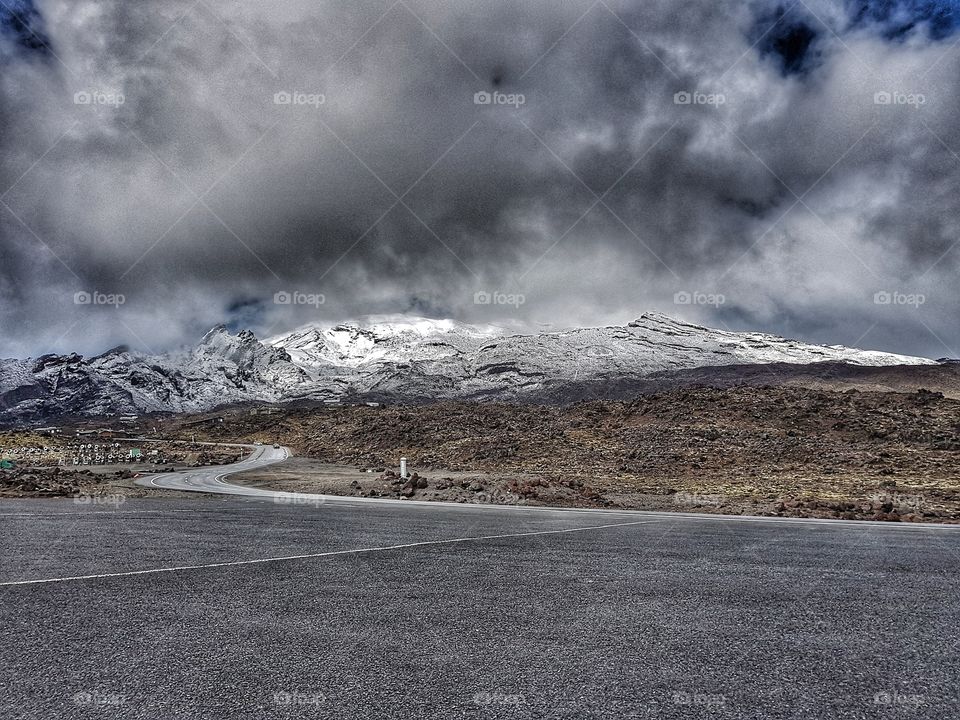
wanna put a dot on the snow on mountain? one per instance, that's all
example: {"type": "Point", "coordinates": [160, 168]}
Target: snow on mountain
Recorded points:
{"type": "Point", "coordinates": [656, 342]}
{"type": "Point", "coordinates": [385, 338]}
{"type": "Point", "coordinates": [388, 357]}
{"type": "Point", "coordinates": [222, 368]}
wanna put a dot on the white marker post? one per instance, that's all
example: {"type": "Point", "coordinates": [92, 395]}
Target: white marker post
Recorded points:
{"type": "Point", "coordinates": [403, 467]}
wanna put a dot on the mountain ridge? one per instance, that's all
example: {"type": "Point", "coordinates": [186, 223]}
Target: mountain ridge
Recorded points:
{"type": "Point", "coordinates": [392, 358]}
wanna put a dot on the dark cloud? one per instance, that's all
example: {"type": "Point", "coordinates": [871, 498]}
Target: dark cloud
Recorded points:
{"type": "Point", "coordinates": [22, 25]}
{"type": "Point", "coordinates": [789, 36]}
{"type": "Point", "coordinates": [198, 159]}
{"type": "Point", "coordinates": [899, 19]}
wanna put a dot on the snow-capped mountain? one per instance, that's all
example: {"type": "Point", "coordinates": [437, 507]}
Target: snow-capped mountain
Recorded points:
{"type": "Point", "coordinates": [389, 358]}
{"type": "Point", "coordinates": [222, 368]}
{"type": "Point", "coordinates": [384, 338]}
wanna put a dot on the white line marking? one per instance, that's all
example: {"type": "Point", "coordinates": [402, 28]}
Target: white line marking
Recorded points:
{"type": "Point", "coordinates": [350, 502]}
{"type": "Point", "coordinates": [82, 514]}
{"type": "Point", "coordinates": [331, 553]}
{"type": "Point", "coordinates": [108, 513]}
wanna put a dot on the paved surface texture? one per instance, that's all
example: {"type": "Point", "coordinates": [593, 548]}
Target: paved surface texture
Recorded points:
{"type": "Point", "coordinates": [262, 607]}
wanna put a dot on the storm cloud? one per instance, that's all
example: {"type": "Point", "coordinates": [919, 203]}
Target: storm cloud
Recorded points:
{"type": "Point", "coordinates": [170, 166]}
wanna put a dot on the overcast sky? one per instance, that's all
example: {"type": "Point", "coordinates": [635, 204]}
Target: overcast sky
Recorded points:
{"type": "Point", "coordinates": [729, 163]}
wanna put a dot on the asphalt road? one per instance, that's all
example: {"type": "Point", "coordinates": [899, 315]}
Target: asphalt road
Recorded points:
{"type": "Point", "coordinates": [212, 479]}
{"type": "Point", "coordinates": [235, 606]}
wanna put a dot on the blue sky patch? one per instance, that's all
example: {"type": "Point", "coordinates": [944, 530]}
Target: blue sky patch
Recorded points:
{"type": "Point", "coordinates": [22, 24]}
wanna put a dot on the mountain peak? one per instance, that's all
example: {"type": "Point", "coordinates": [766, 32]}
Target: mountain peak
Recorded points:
{"type": "Point", "coordinates": [376, 339]}
{"type": "Point", "coordinates": [394, 323]}
{"type": "Point", "coordinates": [213, 333]}
{"type": "Point", "coordinates": [655, 317]}
{"type": "Point", "coordinates": [118, 350]}
{"type": "Point", "coordinates": [404, 358]}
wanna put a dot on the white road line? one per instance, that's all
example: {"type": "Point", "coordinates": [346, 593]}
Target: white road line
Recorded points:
{"type": "Point", "coordinates": [81, 514]}
{"type": "Point", "coordinates": [331, 553]}
{"type": "Point", "coordinates": [110, 513]}
{"type": "Point", "coordinates": [346, 501]}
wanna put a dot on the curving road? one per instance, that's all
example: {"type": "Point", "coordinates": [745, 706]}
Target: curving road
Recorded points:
{"type": "Point", "coordinates": [260, 605]}
{"type": "Point", "coordinates": [211, 479]}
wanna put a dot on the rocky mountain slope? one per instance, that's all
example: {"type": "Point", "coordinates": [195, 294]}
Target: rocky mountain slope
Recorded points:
{"type": "Point", "coordinates": [770, 451]}
{"type": "Point", "coordinates": [393, 359]}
